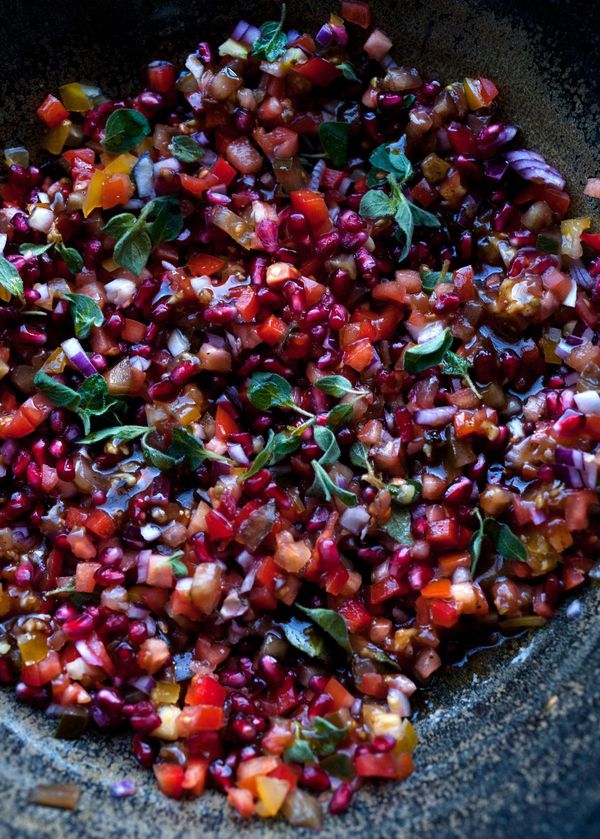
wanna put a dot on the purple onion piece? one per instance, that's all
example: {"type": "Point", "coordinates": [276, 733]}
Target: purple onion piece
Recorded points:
{"type": "Point", "coordinates": [532, 167]}
{"type": "Point", "coordinates": [76, 355]}
{"type": "Point", "coordinates": [324, 36]}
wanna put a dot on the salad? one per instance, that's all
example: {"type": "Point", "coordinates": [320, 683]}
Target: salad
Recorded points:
{"type": "Point", "coordinates": [299, 390]}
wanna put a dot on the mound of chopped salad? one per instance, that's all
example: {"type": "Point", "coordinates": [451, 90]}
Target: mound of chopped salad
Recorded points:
{"type": "Point", "coordinates": [299, 388]}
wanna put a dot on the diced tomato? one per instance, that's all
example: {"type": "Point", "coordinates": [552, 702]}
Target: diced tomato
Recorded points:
{"type": "Point", "coordinates": [464, 283]}
{"type": "Point", "coordinates": [161, 76]}
{"type": "Point", "coordinates": [480, 93]}
{"type": "Point", "coordinates": [133, 331]}
{"type": "Point", "coordinates": [223, 171]}
{"type": "Point", "coordinates": [82, 162]}
{"type": "Point", "coordinates": [359, 355]}
{"type": "Point", "coordinates": [577, 509]}
{"type": "Point", "coordinates": [313, 207]}
{"type": "Point", "coordinates": [225, 425]}
{"type": "Point", "coordinates": [437, 588]}
{"type": "Point", "coordinates": [52, 111]}
{"type": "Point", "coordinates": [197, 186]}
{"type": "Point", "coordinates": [36, 409]}
{"type": "Point", "coordinates": [84, 576]}
{"type": "Point", "coordinates": [194, 718]}
{"type": "Point", "coordinates": [249, 770]}
{"type": "Point", "coordinates": [242, 801]}
{"type": "Point", "coordinates": [116, 190]}
{"type": "Point", "coordinates": [170, 778]}
{"type": "Point", "coordinates": [16, 426]}
{"type": "Point", "coordinates": [373, 684]}
{"type": "Point", "coordinates": [444, 534]}
{"type": "Point", "coordinates": [204, 690]}
{"type": "Point", "coordinates": [75, 518]}
{"type": "Point", "coordinates": [218, 526]}
{"type": "Point", "coordinates": [280, 142]}
{"type": "Point", "coordinates": [385, 589]}
{"type": "Point", "coordinates": [287, 773]}
{"type": "Point", "coordinates": [592, 240]}
{"type": "Point", "coordinates": [313, 291]}
{"type": "Point", "coordinates": [42, 672]}
{"type": "Point", "coordinates": [194, 779]}
{"type": "Point", "coordinates": [272, 330]}
{"type": "Point", "coordinates": [376, 765]}
{"type": "Point", "coordinates": [247, 304]}
{"type": "Point", "coordinates": [443, 612]}
{"type": "Point", "coordinates": [268, 573]}
{"type": "Point", "coordinates": [204, 264]}
{"type": "Point", "coordinates": [357, 12]}
{"type": "Point", "coordinates": [558, 201]}
{"type": "Point", "coordinates": [474, 422]}
{"type": "Point", "coordinates": [424, 193]}
{"type": "Point", "coordinates": [341, 697]}
{"type": "Point", "coordinates": [101, 523]}
{"type": "Point", "coordinates": [318, 70]}
{"type": "Point", "coordinates": [356, 616]}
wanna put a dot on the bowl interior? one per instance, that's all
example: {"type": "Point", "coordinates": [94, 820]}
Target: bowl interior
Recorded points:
{"type": "Point", "coordinates": [508, 741]}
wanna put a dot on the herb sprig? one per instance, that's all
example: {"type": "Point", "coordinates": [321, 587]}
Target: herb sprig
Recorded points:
{"type": "Point", "coordinates": [507, 544]}
{"type": "Point", "coordinates": [272, 42]}
{"type": "Point", "coordinates": [91, 400]}
{"type": "Point", "coordinates": [159, 221]}
{"type": "Point", "coordinates": [376, 203]}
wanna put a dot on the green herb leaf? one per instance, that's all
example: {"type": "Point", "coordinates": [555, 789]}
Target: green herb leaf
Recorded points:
{"type": "Point", "coordinates": [339, 765]}
{"type": "Point", "coordinates": [59, 394]}
{"type": "Point", "coordinates": [35, 250]}
{"type": "Point", "coordinates": [125, 128]}
{"type": "Point", "coordinates": [117, 432]}
{"type": "Point", "coordinates": [186, 149]}
{"type": "Point", "coordinates": [71, 257]}
{"type": "Point", "coordinates": [359, 456]}
{"type": "Point", "coordinates": [428, 354]}
{"type": "Point", "coordinates": [94, 400]}
{"type": "Point", "coordinates": [325, 440]}
{"type": "Point", "coordinates": [404, 493]}
{"type": "Point", "coordinates": [348, 71]}
{"type": "Point", "coordinates": [398, 526]}
{"type": "Point", "coordinates": [10, 279]}
{"type": "Point", "coordinates": [185, 447]}
{"type": "Point", "coordinates": [178, 567]}
{"type": "Point", "coordinates": [507, 544]}
{"type": "Point", "coordinates": [401, 165]}
{"type": "Point", "coordinates": [300, 751]}
{"type": "Point", "coordinates": [324, 484]}
{"type": "Point", "coordinates": [86, 313]}
{"type": "Point", "coordinates": [133, 249]}
{"type": "Point", "coordinates": [429, 280]}
{"type": "Point", "coordinates": [422, 218]}
{"type": "Point", "coordinates": [477, 541]}
{"type": "Point", "coordinates": [324, 736]}
{"type": "Point", "coordinates": [373, 653]}
{"type": "Point", "coordinates": [304, 637]}
{"type": "Point", "coordinates": [405, 225]}
{"type": "Point", "coordinates": [155, 457]}
{"type": "Point", "coordinates": [334, 137]}
{"type": "Point", "coordinates": [118, 225]}
{"type": "Point", "coordinates": [337, 386]}
{"type": "Point", "coordinates": [277, 447]}
{"type": "Point", "coordinates": [376, 204]}
{"type": "Point", "coordinates": [340, 414]}
{"type": "Point", "coordinates": [268, 390]}
{"type": "Point", "coordinates": [272, 42]}
{"type": "Point", "coordinates": [331, 623]}
{"type": "Point", "coordinates": [168, 221]}
{"type": "Point", "coordinates": [454, 365]}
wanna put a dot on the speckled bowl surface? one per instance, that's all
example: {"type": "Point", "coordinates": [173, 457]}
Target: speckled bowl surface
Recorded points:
{"type": "Point", "coordinates": [509, 742]}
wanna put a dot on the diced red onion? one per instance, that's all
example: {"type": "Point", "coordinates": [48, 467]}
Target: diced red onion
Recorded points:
{"type": "Point", "coordinates": [532, 167]}
{"type": "Point", "coordinates": [248, 581]}
{"type": "Point", "coordinates": [177, 343]}
{"type": "Point", "coordinates": [324, 36]}
{"type": "Point", "coordinates": [143, 174]}
{"type": "Point", "coordinates": [237, 453]}
{"type": "Point", "coordinates": [315, 178]}
{"type": "Point", "coordinates": [145, 684]}
{"type": "Point", "coordinates": [120, 292]}
{"type": "Point", "coordinates": [251, 35]}
{"type": "Point", "coordinates": [142, 565]}
{"type": "Point", "coordinates": [588, 402]}
{"type": "Point", "coordinates": [76, 355]}
{"type": "Point", "coordinates": [170, 163]}
{"type": "Point", "coordinates": [233, 606]}
{"type": "Point", "coordinates": [240, 30]}
{"type": "Point", "coordinates": [495, 170]}
{"type": "Point", "coordinates": [571, 298]}
{"type": "Point", "coordinates": [355, 519]}
{"type": "Point", "coordinates": [581, 275]}
{"type": "Point", "coordinates": [87, 654]}
{"type": "Point", "coordinates": [435, 417]}
{"type": "Point", "coordinates": [124, 788]}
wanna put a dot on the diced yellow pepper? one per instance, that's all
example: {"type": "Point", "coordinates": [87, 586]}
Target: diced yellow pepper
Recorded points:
{"type": "Point", "coordinates": [120, 165]}
{"type": "Point", "coordinates": [408, 738]}
{"type": "Point", "coordinates": [271, 795]}
{"type": "Point", "coordinates": [5, 602]}
{"type": "Point", "coordinates": [55, 363]}
{"type": "Point", "coordinates": [435, 168]}
{"type": "Point", "coordinates": [56, 138]}
{"type": "Point", "coordinates": [109, 265]}
{"type": "Point", "coordinates": [165, 693]}
{"type": "Point", "coordinates": [571, 230]}
{"type": "Point", "coordinates": [33, 648]}
{"type": "Point", "coordinates": [167, 730]}
{"type": "Point", "coordinates": [74, 98]}
{"type": "Point", "coordinates": [4, 295]}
